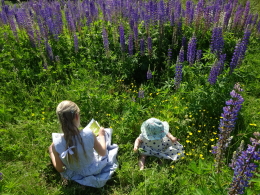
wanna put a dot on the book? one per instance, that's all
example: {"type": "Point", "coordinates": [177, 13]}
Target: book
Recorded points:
{"type": "Point", "coordinates": [93, 126]}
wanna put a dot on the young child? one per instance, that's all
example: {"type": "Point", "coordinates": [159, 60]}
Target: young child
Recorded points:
{"type": "Point", "coordinates": [155, 140]}
{"type": "Point", "coordinates": [78, 154]}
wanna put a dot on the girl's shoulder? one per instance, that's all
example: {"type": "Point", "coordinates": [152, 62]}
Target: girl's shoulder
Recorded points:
{"type": "Point", "coordinates": [57, 138]}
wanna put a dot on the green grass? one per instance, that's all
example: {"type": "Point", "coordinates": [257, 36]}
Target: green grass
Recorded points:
{"type": "Point", "coordinates": [104, 88]}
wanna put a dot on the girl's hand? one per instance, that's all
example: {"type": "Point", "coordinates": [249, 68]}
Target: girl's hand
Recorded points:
{"type": "Point", "coordinates": [170, 136]}
{"type": "Point", "coordinates": [101, 131]}
{"type": "Point", "coordinates": [174, 139]}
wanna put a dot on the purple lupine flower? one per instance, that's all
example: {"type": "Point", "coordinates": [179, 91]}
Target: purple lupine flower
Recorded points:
{"type": "Point", "coordinates": [135, 30]}
{"type": "Point", "coordinates": [142, 46]}
{"type": "Point", "coordinates": [169, 55]}
{"type": "Point", "coordinates": [49, 50]}
{"type": "Point", "coordinates": [240, 51]}
{"type": "Point", "coordinates": [178, 74]}
{"type": "Point", "coordinates": [189, 14]}
{"type": "Point", "coordinates": [191, 53]}
{"type": "Point", "coordinates": [217, 41]}
{"type": "Point", "coordinates": [246, 13]}
{"type": "Point", "coordinates": [227, 16]}
{"type": "Point", "coordinates": [1, 176]}
{"type": "Point", "coordinates": [198, 55]}
{"type": "Point", "coordinates": [217, 11]}
{"type": "Point", "coordinates": [57, 58]}
{"type": "Point", "coordinates": [208, 16]}
{"type": "Point", "coordinates": [141, 93]}
{"type": "Point", "coordinates": [105, 40]}
{"type": "Point", "coordinates": [149, 74]}
{"type": "Point", "coordinates": [199, 12]}
{"type": "Point", "coordinates": [149, 45]}
{"type": "Point", "coordinates": [70, 21]}
{"type": "Point", "coordinates": [12, 24]}
{"type": "Point", "coordinates": [130, 45]}
{"type": "Point", "coordinates": [227, 125]}
{"type": "Point", "coordinates": [181, 55]}
{"type": "Point", "coordinates": [249, 20]}
{"type": "Point", "coordinates": [236, 154]}
{"type": "Point", "coordinates": [245, 166]}
{"type": "Point", "coordinates": [216, 69]}
{"type": "Point", "coordinates": [238, 17]}
{"type": "Point", "coordinates": [177, 12]}
{"type": "Point", "coordinates": [122, 38]}
{"type": "Point", "coordinates": [76, 43]}
{"type": "Point", "coordinates": [161, 11]}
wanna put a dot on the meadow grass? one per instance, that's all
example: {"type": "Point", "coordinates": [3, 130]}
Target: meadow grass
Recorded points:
{"type": "Point", "coordinates": [106, 88]}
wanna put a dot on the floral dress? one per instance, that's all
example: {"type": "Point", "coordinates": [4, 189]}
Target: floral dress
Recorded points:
{"type": "Point", "coordinates": [163, 148]}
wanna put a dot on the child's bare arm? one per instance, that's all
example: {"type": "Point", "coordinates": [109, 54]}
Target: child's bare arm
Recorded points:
{"type": "Point", "coordinates": [171, 137]}
{"type": "Point", "coordinates": [137, 143]}
{"type": "Point", "coordinates": [56, 161]}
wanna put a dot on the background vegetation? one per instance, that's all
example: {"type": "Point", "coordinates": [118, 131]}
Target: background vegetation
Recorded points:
{"type": "Point", "coordinates": [39, 68]}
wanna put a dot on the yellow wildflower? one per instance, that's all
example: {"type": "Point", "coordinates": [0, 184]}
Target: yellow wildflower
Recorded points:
{"type": "Point", "coordinates": [33, 114]}
{"type": "Point", "coordinates": [172, 166]}
{"type": "Point", "coordinates": [252, 124]}
{"type": "Point", "coordinates": [190, 133]}
{"type": "Point", "coordinates": [212, 139]}
{"type": "Point", "coordinates": [199, 131]}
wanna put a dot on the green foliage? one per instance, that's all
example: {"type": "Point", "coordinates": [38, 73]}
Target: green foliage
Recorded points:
{"type": "Point", "coordinates": [106, 86]}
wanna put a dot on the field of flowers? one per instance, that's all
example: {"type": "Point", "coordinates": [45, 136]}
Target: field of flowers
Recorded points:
{"type": "Point", "coordinates": [195, 64]}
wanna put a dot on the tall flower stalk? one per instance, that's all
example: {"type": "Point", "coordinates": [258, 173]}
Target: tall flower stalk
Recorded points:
{"type": "Point", "coordinates": [191, 53]}
{"type": "Point", "coordinates": [240, 51]}
{"type": "Point", "coordinates": [178, 69]}
{"type": "Point", "coordinates": [227, 125]}
{"type": "Point", "coordinates": [245, 166]}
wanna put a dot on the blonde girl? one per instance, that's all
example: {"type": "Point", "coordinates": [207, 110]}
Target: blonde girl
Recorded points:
{"type": "Point", "coordinates": [78, 154]}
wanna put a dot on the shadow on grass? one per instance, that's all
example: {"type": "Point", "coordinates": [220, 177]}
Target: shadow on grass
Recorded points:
{"type": "Point", "coordinates": [69, 187]}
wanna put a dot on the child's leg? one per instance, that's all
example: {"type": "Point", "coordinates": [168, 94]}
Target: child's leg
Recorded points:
{"type": "Point", "coordinates": [141, 162]}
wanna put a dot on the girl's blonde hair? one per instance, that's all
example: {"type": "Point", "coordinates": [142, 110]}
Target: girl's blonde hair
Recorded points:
{"type": "Point", "coordinates": [66, 112]}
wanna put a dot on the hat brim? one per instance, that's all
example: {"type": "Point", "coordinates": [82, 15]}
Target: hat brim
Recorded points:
{"type": "Point", "coordinates": [158, 136]}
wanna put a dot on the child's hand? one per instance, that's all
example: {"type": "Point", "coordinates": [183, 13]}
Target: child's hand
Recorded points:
{"type": "Point", "coordinates": [135, 149]}
{"type": "Point", "coordinates": [101, 131]}
{"type": "Point", "coordinates": [170, 136]}
{"type": "Point", "coordinates": [174, 139]}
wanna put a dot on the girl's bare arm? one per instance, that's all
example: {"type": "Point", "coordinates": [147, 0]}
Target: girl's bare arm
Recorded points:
{"type": "Point", "coordinates": [171, 137]}
{"type": "Point", "coordinates": [137, 143]}
{"type": "Point", "coordinates": [56, 161]}
{"type": "Point", "coordinates": [100, 146]}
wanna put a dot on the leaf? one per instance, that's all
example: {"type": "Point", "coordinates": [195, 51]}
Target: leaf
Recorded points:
{"type": "Point", "coordinates": [257, 180]}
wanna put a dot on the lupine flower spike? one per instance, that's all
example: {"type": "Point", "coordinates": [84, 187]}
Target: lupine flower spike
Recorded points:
{"type": "Point", "coordinates": [191, 53]}
{"type": "Point", "coordinates": [149, 74]}
{"type": "Point", "coordinates": [227, 125]}
{"type": "Point", "coordinates": [245, 166]}
{"type": "Point", "coordinates": [141, 93]}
